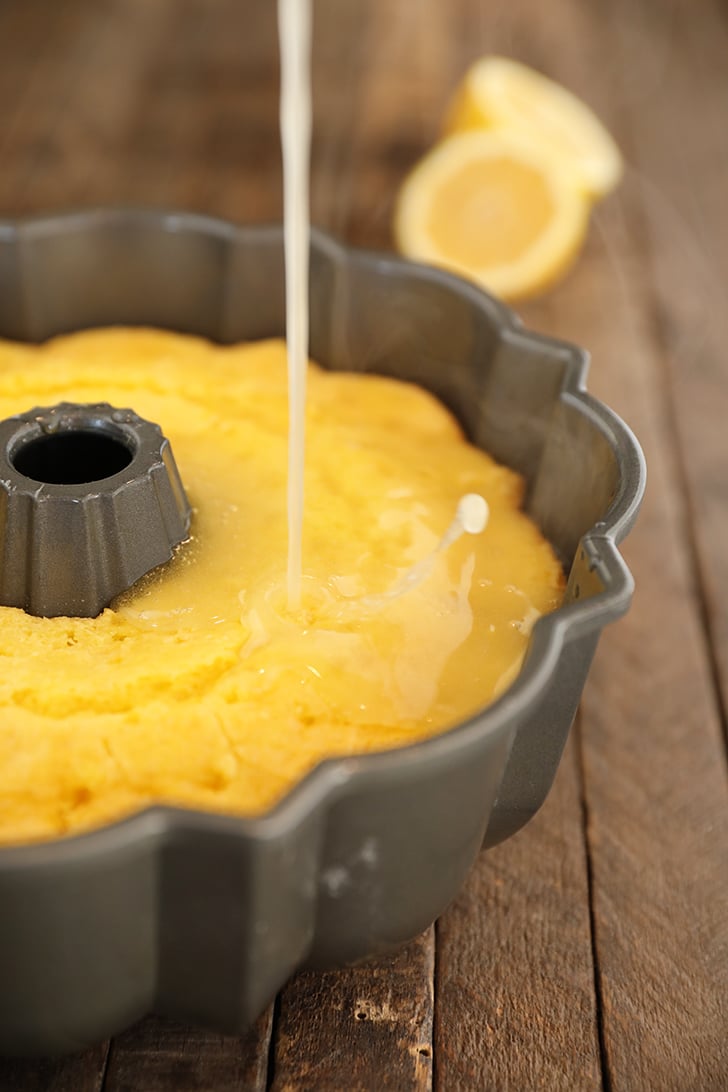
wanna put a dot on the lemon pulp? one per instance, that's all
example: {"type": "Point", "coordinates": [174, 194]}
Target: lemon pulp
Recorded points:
{"type": "Point", "coordinates": [489, 213]}
{"type": "Point", "coordinates": [491, 207]}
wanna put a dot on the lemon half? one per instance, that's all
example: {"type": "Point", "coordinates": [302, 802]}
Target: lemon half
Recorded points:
{"type": "Point", "coordinates": [491, 207]}
{"type": "Point", "coordinates": [499, 93]}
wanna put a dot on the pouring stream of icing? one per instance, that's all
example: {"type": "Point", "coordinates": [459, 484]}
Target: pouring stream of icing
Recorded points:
{"type": "Point", "coordinates": [294, 32]}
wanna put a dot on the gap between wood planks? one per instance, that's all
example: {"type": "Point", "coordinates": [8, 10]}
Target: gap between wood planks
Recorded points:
{"type": "Point", "coordinates": [598, 992]}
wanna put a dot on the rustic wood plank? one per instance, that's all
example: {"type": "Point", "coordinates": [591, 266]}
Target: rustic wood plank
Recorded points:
{"type": "Point", "coordinates": [157, 1055]}
{"type": "Point", "coordinates": [681, 200]}
{"type": "Point", "coordinates": [406, 63]}
{"type": "Point", "coordinates": [65, 120]}
{"type": "Point", "coordinates": [151, 104]}
{"type": "Point", "coordinates": [654, 764]}
{"type": "Point", "coordinates": [202, 129]}
{"type": "Point", "coordinates": [78, 1073]}
{"type": "Point", "coordinates": [37, 40]}
{"type": "Point", "coordinates": [515, 988]}
{"type": "Point", "coordinates": [656, 786]}
{"type": "Point", "coordinates": [368, 1027]}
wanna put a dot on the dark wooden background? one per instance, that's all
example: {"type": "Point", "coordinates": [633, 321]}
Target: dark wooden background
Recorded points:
{"type": "Point", "coordinates": [591, 950]}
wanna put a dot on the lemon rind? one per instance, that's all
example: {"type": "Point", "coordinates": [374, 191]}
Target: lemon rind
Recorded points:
{"type": "Point", "coordinates": [594, 156]}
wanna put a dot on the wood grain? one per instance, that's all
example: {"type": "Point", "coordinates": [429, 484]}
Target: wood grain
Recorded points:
{"type": "Point", "coordinates": [156, 1055]}
{"type": "Point", "coordinates": [365, 1028]}
{"type": "Point", "coordinates": [515, 981]}
{"type": "Point", "coordinates": [661, 875]}
{"type": "Point", "coordinates": [78, 1073]}
{"type": "Point", "coordinates": [680, 200]}
{"type": "Point", "coordinates": [374, 128]}
{"type": "Point", "coordinates": [655, 774]}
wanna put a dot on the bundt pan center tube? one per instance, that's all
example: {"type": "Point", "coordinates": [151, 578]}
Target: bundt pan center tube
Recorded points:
{"type": "Point", "coordinates": [203, 917]}
{"type": "Point", "coordinates": [91, 500]}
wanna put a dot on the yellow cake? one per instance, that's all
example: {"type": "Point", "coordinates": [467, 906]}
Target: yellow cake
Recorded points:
{"type": "Point", "coordinates": [198, 687]}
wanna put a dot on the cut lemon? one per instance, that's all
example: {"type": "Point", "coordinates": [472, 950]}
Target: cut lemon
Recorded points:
{"type": "Point", "coordinates": [491, 207]}
{"type": "Point", "coordinates": [498, 93]}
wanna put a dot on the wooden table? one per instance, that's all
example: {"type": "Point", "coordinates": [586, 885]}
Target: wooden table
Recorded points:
{"type": "Point", "coordinates": [591, 950]}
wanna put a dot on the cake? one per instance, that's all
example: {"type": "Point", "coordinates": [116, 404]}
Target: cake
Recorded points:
{"type": "Point", "coordinates": [199, 687]}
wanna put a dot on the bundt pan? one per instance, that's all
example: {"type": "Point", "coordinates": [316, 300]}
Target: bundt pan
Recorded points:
{"type": "Point", "coordinates": [203, 917]}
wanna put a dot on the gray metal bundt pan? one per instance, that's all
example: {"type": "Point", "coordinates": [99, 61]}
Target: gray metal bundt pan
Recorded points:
{"type": "Point", "coordinates": [204, 917]}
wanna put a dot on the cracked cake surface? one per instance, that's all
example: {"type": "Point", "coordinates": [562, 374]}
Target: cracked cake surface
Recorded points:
{"type": "Point", "coordinates": [199, 687]}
